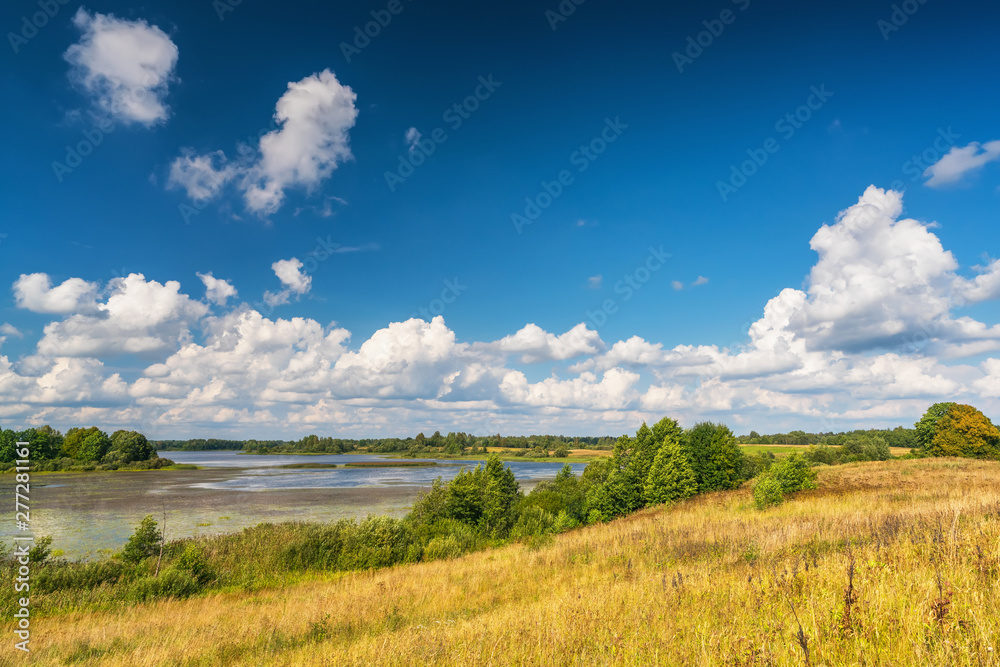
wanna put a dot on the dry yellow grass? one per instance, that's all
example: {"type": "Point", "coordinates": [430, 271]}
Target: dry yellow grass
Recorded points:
{"type": "Point", "coordinates": [598, 453]}
{"type": "Point", "coordinates": [589, 452]}
{"type": "Point", "coordinates": [707, 582]}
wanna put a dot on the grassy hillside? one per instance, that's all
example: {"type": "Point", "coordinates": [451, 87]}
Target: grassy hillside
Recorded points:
{"type": "Point", "coordinates": [710, 581]}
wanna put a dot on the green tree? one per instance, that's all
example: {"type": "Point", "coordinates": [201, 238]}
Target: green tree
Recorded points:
{"type": "Point", "coordinates": [500, 495]}
{"type": "Point", "coordinates": [671, 477]}
{"type": "Point", "coordinates": [965, 431]}
{"type": "Point", "coordinates": [464, 501]}
{"type": "Point", "coordinates": [767, 492]}
{"type": "Point", "coordinates": [45, 442]}
{"type": "Point", "coordinates": [8, 446]}
{"type": "Point", "coordinates": [86, 444]}
{"type": "Point", "coordinates": [793, 473]}
{"type": "Point", "coordinates": [565, 495]}
{"type": "Point", "coordinates": [927, 426]}
{"type": "Point", "coordinates": [714, 455]}
{"type": "Point", "coordinates": [128, 446]}
{"type": "Point", "coordinates": [430, 505]}
{"type": "Point", "coordinates": [876, 448]}
{"type": "Point", "coordinates": [144, 541]}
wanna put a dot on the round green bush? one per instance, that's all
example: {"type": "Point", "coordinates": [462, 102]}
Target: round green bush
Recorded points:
{"type": "Point", "coordinates": [767, 492]}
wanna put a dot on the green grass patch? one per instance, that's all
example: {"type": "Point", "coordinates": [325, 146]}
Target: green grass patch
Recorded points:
{"type": "Point", "coordinates": [389, 464]}
{"type": "Point", "coordinates": [309, 465]}
{"type": "Point", "coordinates": [777, 450]}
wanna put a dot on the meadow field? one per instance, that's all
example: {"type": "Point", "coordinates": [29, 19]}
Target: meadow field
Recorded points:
{"type": "Point", "coordinates": [886, 563]}
{"type": "Point", "coordinates": [784, 450]}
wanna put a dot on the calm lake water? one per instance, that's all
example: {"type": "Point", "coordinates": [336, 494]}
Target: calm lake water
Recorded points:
{"type": "Point", "coordinates": [93, 514]}
{"type": "Point", "coordinates": [262, 473]}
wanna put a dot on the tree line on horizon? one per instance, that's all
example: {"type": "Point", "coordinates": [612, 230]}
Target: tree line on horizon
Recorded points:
{"type": "Point", "coordinates": [454, 443]}
{"type": "Point", "coordinates": [899, 436]}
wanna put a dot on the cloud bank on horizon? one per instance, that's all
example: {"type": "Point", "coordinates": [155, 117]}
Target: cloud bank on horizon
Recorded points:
{"type": "Point", "coordinates": [874, 337]}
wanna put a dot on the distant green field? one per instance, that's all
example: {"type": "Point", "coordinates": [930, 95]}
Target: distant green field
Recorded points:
{"type": "Point", "coordinates": [782, 450]}
{"type": "Point", "coordinates": [777, 450]}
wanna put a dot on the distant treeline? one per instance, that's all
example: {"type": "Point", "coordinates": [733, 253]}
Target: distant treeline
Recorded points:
{"type": "Point", "coordinates": [452, 443]}
{"type": "Point", "coordinates": [456, 443]}
{"type": "Point", "coordinates": [208, 445]}
{"type": "Point", "coordinates": [897, 437]}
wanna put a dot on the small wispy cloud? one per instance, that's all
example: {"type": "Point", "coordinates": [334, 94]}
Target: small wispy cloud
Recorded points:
{"type": "Point", "coordinates": [411, 137]}
{"type": "Point", "coordinates": [595, 282]}
{"type": "Point", "coordinates": [324, 211]}
{"type": "Point", "coordinates": [10, 330]}
{"type": "Point", "coordinates": [958, 162]}
{"type": "Point", "coordinates": [701, 280]}
{"type": "Point", "coordinates": [354, 248]}
{"type": "Point", "coordinates": [677, 285]}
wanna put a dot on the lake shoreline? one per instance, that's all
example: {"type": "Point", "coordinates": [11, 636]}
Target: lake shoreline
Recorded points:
{"type": "Point", "coordinates": [92, 513]}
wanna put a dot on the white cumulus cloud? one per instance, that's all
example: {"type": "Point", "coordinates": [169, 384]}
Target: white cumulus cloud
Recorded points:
{"type": "Point", "coordinates": [139, 317]}
{"type": "Point", "coordinates": [201, 176]}
{"type": "Point", "coordinates": [295, 281]}
{"type": "Point", "coordinates": [125, 66]}
{"type": "Point", "coordinates": [534, 344]}
{"type": "Point", "coordinates": [314, 118]}
{"type": "Point", "coordinates": [217, 290]}
{"type": "Point", "coordinates": [34, 292]}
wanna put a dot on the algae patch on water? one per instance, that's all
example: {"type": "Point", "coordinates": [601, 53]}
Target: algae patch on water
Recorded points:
{"type": "Point", "coordinates": [308, 465]}
{"type": "Point", "coordinates": [390, 464]}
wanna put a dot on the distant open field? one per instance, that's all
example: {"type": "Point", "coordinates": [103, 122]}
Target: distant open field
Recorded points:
{"type": "Point", "coordinates": [780, 450]}
{"type": "Point", "coordinates": [892, 563]}
{"type": "Point", "coordinates": [578, 454]}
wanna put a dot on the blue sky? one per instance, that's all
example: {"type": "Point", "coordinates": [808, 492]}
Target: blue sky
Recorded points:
{"type": "Point", "coordinates": [561, 325]}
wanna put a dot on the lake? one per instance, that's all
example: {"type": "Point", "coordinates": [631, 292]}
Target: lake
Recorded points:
{"type": "Point", "coordinates": [92, 514]}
